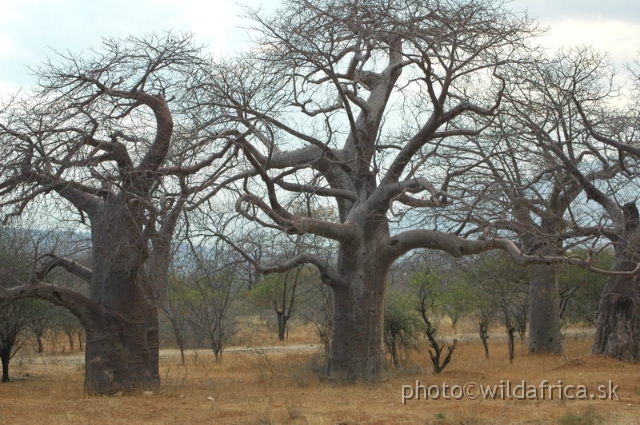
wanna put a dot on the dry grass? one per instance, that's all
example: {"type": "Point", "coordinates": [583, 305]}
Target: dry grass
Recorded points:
{"type": "Point", "coordinates": [280, 386]}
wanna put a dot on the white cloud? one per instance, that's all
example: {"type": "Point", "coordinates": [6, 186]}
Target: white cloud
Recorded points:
{"type": "Point", "coordinates": [618, 38]}
{"type": "Point", "coordinates": [29, 29]}
{"type": "Point", "coordinates": [6, 44]}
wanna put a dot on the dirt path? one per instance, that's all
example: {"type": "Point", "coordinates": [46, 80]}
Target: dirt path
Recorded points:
{"type": "Point", "coordinates": [170, 353]}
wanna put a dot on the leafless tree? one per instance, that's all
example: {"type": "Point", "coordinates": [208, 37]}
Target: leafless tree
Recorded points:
{"type": "Point", "coordinates": [176, 310]}
{"type": "Point", "coordinates": [286, 293]}
{"type": "Point", "coordinates": [570, 82]}
{"type": "Point", "coordinates": [210, 292]}
{"type": "Point", "coordinates": [529, 193]}
{"type": "Point", "coordinates": [613, 137]}
{"type": "Point", "coordinates": [365, 105]}
{"type": "Point", "coordinates": [16, 320]}
{"type": "Point", "coordinates": [505, 285]}
{"type": "Point", "coordinates": [112, 140]}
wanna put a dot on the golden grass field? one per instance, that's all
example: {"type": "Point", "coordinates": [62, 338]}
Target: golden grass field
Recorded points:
{"type": "Point", "coordinates": [277, 384]}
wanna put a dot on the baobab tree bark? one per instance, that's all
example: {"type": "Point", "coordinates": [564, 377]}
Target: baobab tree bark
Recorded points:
{"type": "Point", "coordinates": [119, 350]}
{"type": "Point", "coordinates": [545, 334]}
{"type": "Point", "coordinates": [618, 330]}
{"type": "Point", "coordinates": [549, 100]}
{"type": "Point", "coordinates": [358, 307]}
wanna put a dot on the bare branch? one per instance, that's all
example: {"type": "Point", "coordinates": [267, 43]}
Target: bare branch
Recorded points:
{"type": "Point", "coordinates": [458, 247]}
{"type": "Point", "coordinates": [69, 265]}
{"type": "Point", "coordinates": [88, 312]}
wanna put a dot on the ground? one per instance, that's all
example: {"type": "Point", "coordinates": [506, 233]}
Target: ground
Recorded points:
{"type": "Point", "coordinates": [279, 384]}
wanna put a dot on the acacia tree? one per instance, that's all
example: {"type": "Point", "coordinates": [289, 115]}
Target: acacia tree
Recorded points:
{"type": "Point", "coordinates": [363, 105]}
{"type": "Point", "coordinates": [211, 293]}
{"type": "Point", "coordinates": [287, 292]}
{"type": "Point", "coordinates": [111, 139]}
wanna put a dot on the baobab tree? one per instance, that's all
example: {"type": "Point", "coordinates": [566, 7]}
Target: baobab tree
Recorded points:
{"type": "Point", "coordinates": [614, 130]}
{"type": "Point", "coordinates": [581, 82]}
{"type": "Point", "coordinates": [111, 140]}
{"type": "Point", "coordinates": [529, 193]}
{"type": "Point", "coordinates": [365, 106]}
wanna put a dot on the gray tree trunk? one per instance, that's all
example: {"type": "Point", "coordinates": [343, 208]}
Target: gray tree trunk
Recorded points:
{"type": "Point", "coordinates": [545, 336]}
{"type": "Point", "coordinates": [356, 344]}
{"type": "Point", "coordinates": [357, 325]}
{"type": "Point", "coordinates": [122, 355]}
{"type": "Point", "coordinates": [122, 347]}
{"type": "Point", "coordinates": [618, 331]}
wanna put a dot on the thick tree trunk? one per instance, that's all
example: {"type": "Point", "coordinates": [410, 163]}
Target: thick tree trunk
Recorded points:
{"type": "Point", "coordinates": [357, 325]}
{"type": "Point", "coordinates": [356, 344]}
{"type": "Point", "coordinates": [545, 336]}
{"type": "Point", "coordinates": [122, 348]}
{"type": "Point", "coordinates": [618, 331]}
{"type": "Point", "coordinates": [122, 355]}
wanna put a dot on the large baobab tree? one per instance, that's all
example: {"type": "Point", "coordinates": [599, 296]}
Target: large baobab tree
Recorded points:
{"type": "Point", "coordinates": [364, 106]}
{"type": "Point", "coordinates": [111, 140]}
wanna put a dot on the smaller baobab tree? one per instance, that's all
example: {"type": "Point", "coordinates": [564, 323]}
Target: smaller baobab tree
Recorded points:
{"type": "Point", "coordinates": [112, 140]}
{"type": "Point", "coordinates": [604, 163]}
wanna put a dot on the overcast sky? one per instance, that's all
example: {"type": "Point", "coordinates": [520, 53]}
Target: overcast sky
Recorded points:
{"type": "Point", "coordinates": [31, 29]}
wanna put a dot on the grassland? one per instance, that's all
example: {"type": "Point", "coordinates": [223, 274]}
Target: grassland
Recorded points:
{"type": "Point", "coordinates": [270, 383]}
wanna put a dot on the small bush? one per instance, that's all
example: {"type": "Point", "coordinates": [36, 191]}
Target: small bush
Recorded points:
{"type": "Point", "coordinates": [402, 326]}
